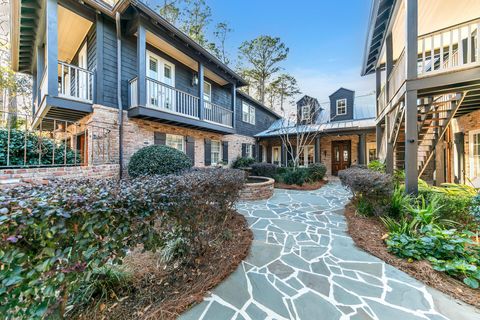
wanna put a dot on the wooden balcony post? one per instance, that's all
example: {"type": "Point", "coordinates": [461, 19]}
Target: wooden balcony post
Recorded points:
{"type": "Point", "coordinates": [411, 127]}
{"type": "Point", "coordinates": [389, 154]}
{"type": "Point", "coordinates": [51, 50]}
{"type": "Point", "coordinates": [388, 64]}
{"type": "Point", "coordinates": [141, 65]}
{"type": "Point", "coordinates": [234, 104]}
{"type": "Point", "coordinates": [40, 69]}
{"type": "Point", "coordinates": [200, 91]}
{"type": "Point", "coordinates": [99, 52]}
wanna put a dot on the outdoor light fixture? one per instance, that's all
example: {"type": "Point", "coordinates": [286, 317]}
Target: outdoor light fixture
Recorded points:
{"type": "Point", "coordinates": [194, 79]}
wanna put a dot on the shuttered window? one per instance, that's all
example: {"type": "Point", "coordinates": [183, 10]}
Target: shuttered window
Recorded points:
{"type": "Point", "coordinates": [175, 141]}
{"type": "Point", "coordinates": [248, 113]}
{"type": "Point", "coordinates": [216, 152]}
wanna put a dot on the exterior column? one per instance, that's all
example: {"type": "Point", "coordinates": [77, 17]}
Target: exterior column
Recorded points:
{"type": "Point", "coordinates": [234, 105]}
{"type": "Point", "coordinates": [200, 91]}
{"type": "Point", "coordinates": [51, 50]}
{"type": "Point", "coordinates": [283, 156]}
{"type": "Point", "coordinates": [411, 109]}
{"type": "Point", "coordinates": [388, 64]}
{"type": "Point", "coordinates": [378, 87]}
{"type": "Point", "coordinates": [317, 150]}
{"type": "Point", "coordinates": [362, 148]}
{"type": "Point", "coordinates": [141, 66]}
{"type": "Point", "coordinates": [389, 154]}
{"type": "Point", "coordinates": [99, 53]}
{"type": "Point", "coordinates": [378, 137]}
{"type": "Point", "coordinates": [40, 70]}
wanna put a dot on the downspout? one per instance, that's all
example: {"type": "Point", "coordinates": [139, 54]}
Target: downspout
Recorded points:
{"type": "Point", "coordinates": [119, 95]}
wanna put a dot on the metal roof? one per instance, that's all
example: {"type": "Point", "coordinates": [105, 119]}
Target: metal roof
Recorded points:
{"type": "Point", "coordinates": [380, 16]}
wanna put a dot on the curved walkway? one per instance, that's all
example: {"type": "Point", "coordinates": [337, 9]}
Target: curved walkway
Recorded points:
{"type": "Point", "coordinates": [303, 265]}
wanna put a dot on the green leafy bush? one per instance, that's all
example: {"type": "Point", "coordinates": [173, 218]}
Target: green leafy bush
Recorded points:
{"type": "Point", "coordinates": [242, 162]}
{"type": "Point", "coordinates": [374, 188]}
{"type": "Point", "coordinates": [377, 165]}
{"type": "Point", "coordinates": [475, 209]}
{"type": "Point", "coordinates": [316, 172]}
{"type": "Point", "coordinates": [158, 160]}
{"type": "Point", "coordinates": [264, 169]}
{"type": "Point", "coordinates": [295, 176]}
{"type": "Point", "coordinates": [449, 251]}
{"type": "Point", "coordinates": [38, 150]}
{"type": "Point", "coordinates": [56, 236]}
{"type": "Point", "coordinates": [398, 202]}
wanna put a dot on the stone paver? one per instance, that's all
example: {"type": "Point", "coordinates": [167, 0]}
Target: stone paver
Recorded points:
{"type": "Point", "coordinates": [303, 265]}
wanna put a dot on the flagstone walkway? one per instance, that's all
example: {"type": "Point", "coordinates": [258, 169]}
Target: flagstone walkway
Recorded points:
{"type": "Point", "coordinates": [303, 265]}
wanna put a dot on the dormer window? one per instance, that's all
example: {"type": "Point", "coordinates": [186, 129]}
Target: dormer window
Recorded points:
{"type": "Point", "coordinates": [305, 113]}
{"type": "Point", "coordinates": [341, 107]}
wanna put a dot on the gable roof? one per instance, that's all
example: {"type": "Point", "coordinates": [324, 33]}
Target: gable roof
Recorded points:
{"type": "Point", "coordinates": [341, 88]}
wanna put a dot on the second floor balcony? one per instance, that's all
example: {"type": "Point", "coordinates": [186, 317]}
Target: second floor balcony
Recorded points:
{"type": "Point", "coordinates": [172, 101]}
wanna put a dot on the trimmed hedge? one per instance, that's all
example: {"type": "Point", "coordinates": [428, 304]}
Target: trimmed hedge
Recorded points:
{"type": "Point", "coordinates": [55, 236]}
{"type": "Point", "coordinates": [242, 162]}
{"type": "Point", "coordinates": [158, 160]}
{"type": "Point", "coordinates": [316, 172]}
{"type": "Point", "coordinates": [371, 189]}
{"type": "Point", "coordinates": [264, 169]}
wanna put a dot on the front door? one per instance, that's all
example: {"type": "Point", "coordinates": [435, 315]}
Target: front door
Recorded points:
{"type": "Point", "coordinates": [341, 155]}
{"type": "Point", "coordinates": [160, 86]}
{"type": "Point", "coordinates": [82, 75]}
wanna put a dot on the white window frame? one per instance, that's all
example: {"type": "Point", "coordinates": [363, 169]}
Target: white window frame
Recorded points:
{"type": "Point", "coordinates": [167, 97]}
{"type": "Point", "coordinates": [214, 161]}
{"type": "Point", "coordinates": [279, 155]}
{"type": "Point", "coordinates": [306, 113]}
{"type": "Point", "coordinates": [471, 156]}
{"type": "Point", "coordinates": [305, 155]}
{"type": "Point", "coordinates": [249, 150]}
{"type": "Point", "coordinates": [345, 107]}
{"type": "Point", "coordinates": [207, 94]}
{"type": "Point", "coordinates": [371, 145]}
{"type": "Point", "coordinates": [173, 136]}
{"type": "Point", "coordinates": [248, 113]}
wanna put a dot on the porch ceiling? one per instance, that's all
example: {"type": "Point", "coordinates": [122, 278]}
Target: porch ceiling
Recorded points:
{"type": "Point", "coordinates": [72, 29]}
{"type": "Point", "coordinates": [170, 50]}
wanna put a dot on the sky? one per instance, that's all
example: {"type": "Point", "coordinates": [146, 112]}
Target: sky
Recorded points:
{"type": "Point", "coordinates": [326, 38]}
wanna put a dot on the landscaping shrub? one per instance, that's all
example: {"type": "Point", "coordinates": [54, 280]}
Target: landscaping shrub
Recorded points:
{"type": "Point", "coordinates": [316, 172]}
{"type": "Point", "coordinates": [264, 169]}
{"type": "Point", "coordinates": [475, 209]}
{"type": "Point", "coordinates": [38, 151]}
{"type": "Point", "coordinates": [399, 201]}
{"type": "Point", "coordinates": [56, 236]}
{"type": "Point", "coordinates": [377, 165]}
{"type": "Point", "coordinates": [242, 162]}
{"type": "Point", "coordinates": [158, 160]}
{"type": "Point", "coordinates": [374, 188]}
{"type": "Point", "coordinates": [295, 176]}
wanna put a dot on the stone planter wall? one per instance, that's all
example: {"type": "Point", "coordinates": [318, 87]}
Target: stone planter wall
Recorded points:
{"type": "Point", "coordinates": [257, 190]}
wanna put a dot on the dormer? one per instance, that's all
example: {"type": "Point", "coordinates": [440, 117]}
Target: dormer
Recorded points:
{"type": "Point", "coordinates": [308, 109]}
{"type": "Point", "coordinates": [341, 105]}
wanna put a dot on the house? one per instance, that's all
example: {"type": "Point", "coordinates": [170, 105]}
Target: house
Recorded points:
{"type": "Point", "coordinates": [92, 59]}
{"type": "Point", "coordinates": [339, 133]}
{"type": "Point", "coordinates": [426, 58]}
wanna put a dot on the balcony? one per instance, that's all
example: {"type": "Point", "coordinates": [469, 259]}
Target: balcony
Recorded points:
{"type": "Point", "coordinates": [75, 83]}
{"type": "Point", "coordinates": [170, 104]}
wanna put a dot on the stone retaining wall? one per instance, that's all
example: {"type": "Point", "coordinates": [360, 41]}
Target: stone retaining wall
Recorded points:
{"type": "Point", "coordinates": [257, 190]}
{"type": "Point", "coordinates": [10, 177]}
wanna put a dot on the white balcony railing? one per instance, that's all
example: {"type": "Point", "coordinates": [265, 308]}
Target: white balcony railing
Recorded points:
{"type": "Point", "coordinates": [75, 83]}
{"type": "Point", "coordinates": [218, 114]}
{"type": "Point", "coordinates": [164, 97]}
{"type": "Point", "coordinates": [449, 49]}
{"type": "Point", "coordinates": [168, 98]}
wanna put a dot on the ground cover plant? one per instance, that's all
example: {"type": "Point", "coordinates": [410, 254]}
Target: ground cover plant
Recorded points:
{"type": "Point", "coordinates": [437, 225]}
{"type": "Point", "coordinates": [59, 237]}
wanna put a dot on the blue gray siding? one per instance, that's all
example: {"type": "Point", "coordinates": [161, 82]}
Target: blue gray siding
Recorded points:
{"type": "Point", "coordinates": [263, 118]}
{"type": "Point", "coordinates": [341, 94]}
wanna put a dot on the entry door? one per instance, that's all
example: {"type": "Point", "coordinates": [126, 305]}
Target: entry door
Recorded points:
{"type": "Point", "coordinates": [160, 86]}
{"type": "Point", "coordinates": [82, 75]}
{"type": "Point", "coordinates": [341, 156]}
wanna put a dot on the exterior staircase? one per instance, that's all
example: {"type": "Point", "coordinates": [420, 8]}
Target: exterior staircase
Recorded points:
{"type": "Point", "coordinates": [434, 115]}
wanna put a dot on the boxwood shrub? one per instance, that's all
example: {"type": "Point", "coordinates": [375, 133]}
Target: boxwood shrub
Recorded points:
{"type": "Point", "coordinates": [316, 172]}
{"type": "Point", "coordinates": [264, 169]}
{"type": "Point", "coordinates": [55, 236]}
{"type": "Point", "coordinates": [242, 162]}
{"type": "Point", "coordinates": [158, 160]}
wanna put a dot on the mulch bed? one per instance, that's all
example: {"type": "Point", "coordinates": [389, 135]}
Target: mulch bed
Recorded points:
{"type": "Point", "coordinates": [367, 234]}
{"type": "Point", "coordinates": [161, 291]}
{"type": "Point", "coordinates": [306, 186]}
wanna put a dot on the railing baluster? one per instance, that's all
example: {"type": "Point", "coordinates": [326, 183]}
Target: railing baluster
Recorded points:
{"type": "Point", "coordinates": [469, 44]}
{"type": "Point", "coordinates": [460, 47]}
{"type": "Point", "coordinates": [450, 51]}
{"type": "Point", "coordinates": [432, 53]}
{"type": "Point", "coordinates": [423, 56]}
{"type": "Point", "coordinates": [441, 52]}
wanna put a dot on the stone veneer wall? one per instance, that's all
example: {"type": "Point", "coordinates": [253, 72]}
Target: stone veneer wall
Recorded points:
{"type": "Point", "coordinates": [43, 175]}
{"type": "Point", "coordinates": [138, 133]}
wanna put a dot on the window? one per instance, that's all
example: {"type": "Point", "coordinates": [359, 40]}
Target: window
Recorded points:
{"type": "Point", "coordinates": [216, 147]}
{"type": "Point", "coordinates": [249, 150]}
{"type": "Point", "coordinates": [371, 151]}
{"type": "Point", "coordinates": [306, 157]}
{"type": "Point", "coordinates": [248, 113]}
{"type": "Point", "coordinates": [341, 107]}
{"type": "Point", "coordinates": [175, 141]}
{"type": "Point", "coordinates": [474, 141]}
{"type": "Point", "coordinates": [305, 113]}
{"type": "Point", "coordinates": [207, 91]}
{"type": "Point", "coordinates": [276, 155]}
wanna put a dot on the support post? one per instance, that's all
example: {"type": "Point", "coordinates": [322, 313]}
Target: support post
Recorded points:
{"type": "Point", "coordinates": [99, 53]}
{"type": "Point", "coordinates": [389, 155]}
{"type": "Point", "coordinates": [378, 137]}
{"type": "Point", "coordinates": [362, 148]}
{"type": "Point", "coordinates": [411, 109]}
{"type": "Point", "coordinates": [234, 105]}
{"type": "Point", "coordinates": [201, 102]}
{"type": "Point", "coordinates": [388, 64]}
{"type": "Point", "coordinates": [378, 83]}
{"type": "Point", "coordinates": [51, 50]}
{"type": "Point", "coordinates": [141, 66]}
{"type": "Point", "coordinates": [40, 70]}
